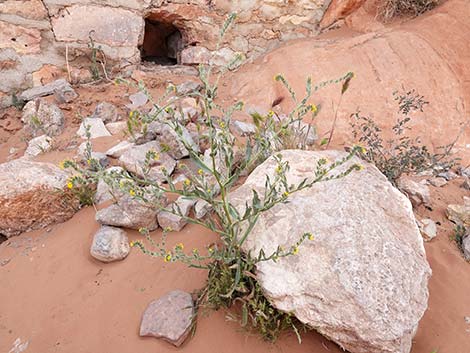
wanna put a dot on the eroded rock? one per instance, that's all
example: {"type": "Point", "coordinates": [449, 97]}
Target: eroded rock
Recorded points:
{"type": "Point", "coordinates": [347, 282]}
{"type": "Point", "coordinates": [41, 117]}
{"type": "Point", "coordinates": [169, 317]}
{"type": "Point", "coordinates": [110, 244]}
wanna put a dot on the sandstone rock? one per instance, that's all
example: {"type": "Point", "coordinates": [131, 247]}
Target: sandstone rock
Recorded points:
{"type": "Point", "coordinates": [418, 193]}
{"type": "Point", "coordinates": [201, 209]}
{"type": "Point", "coordinates": [171, 140]}
{"type": "Point", "coordinates": [38, 145]}
{"type": "Point", "coordinates": [41, 117]}
{"type": "Point", "coordinates": [96, 126]}
{"type": "Point", "coordinates": [118, 150]}
{"type": "Point", "coordinates": [460, 214]}
{"type": "Point", "coordinates": [21, 39]}
{"type": "Point", "coordinates": [466, 247]}
{"type": "Point", "coordinates": [169, 318]}
{"type": "Point", "coordinates": [104, 192]}
{"type": "Point", "coordinates": [110, 244]}
{"type": "Point", "coordinates": [117, 127]}
{"type": "Point", "coordinates": [65, 94]}
{"type": "Point", "coordinates": [428, 229]}
{"type": "Point", "coordinates": [195, 55]}
{"type": "Point", "coordinates": [347, 282]}
{"type": "Point", "coordinates": [30, 196]}
{"type": "Point", "coordinates": [188, 87]}
{"type": "Point", "coordinates": [60, 85]}
{"type": "Point", "coordinates": [138, 100]}
{"type": "Point", "coordinates": [134, 161]}
{"type": "Point", "coordinates": [438, 182]}
{"type": "Point", "coordinates": [338, 10]}
{"type": "Point", "coordinates": [168, 220]}
{"type": "Point", "coordinates": [244, 129]}
{"type": "Point", "coordinates": [130, 213]}
{"type": "Point", "coordinates": [107, 112]}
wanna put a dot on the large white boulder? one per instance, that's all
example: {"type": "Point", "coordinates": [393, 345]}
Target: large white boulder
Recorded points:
{"type": "Point", "coordinates": [363, 281]}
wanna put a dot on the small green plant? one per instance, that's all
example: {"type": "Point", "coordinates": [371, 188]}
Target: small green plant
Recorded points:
{"type": "Point", "coordinates": [459, 234]}
{"type": "Point", "coordinates": [95, 62]}
{"type": "Point", "coordinates": [395, 8]}
{"type": "Point", "coordinates": [400, 154]}
{"type": "Point", "coordinates": [17, 102]}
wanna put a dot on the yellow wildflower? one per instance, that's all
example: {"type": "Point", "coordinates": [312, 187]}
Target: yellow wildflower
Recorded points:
{"type": "Point", "coordinates": [187, 182]}
{"type": "Point", "coordinates": [270, 114]}
{"type": "Point", "coordinates": [222, 124]}
{"type": "Point", "coordinates": [195, 251]}
{"type": "Point", "coordinates": [70, 184]}
{"type": "Point", "coordinates": [279, 169]}
{"type": "Point", "coordinates": [313, 108]}
{"type": "Point", "coordinates": [285, 194]}
{"type": "Point", "coordinates": [167, 257]}
{"type": "Point", "coordinates": [310, 236]}
{"type": "Point", "coordinates": [179, 246]}
{"type": "Point", "coordinates": [211, 250]}
{"type": "Point", "coordinates": [131, 192]}
{"type": "Point", "coordinates": [131, 244]}
{"type": "Point", "coordinates": [295, 250]}
{"type": "Point", "coordinates": [131, 114]}
{"type": "Point", "coordinates": [200, 172]}
{"type": "Point", "coordinates": [62, 164]}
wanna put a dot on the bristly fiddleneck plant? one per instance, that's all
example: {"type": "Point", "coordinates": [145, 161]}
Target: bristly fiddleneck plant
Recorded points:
{"type": "Point", "coordinates": [231, 271]}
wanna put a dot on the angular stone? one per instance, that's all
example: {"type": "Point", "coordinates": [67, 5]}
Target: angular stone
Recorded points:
{"type": "Point", "coordinates": [130, 213]}
{"type": "Point", "coordinates": [105, 192]}
{"type": "Point", "coordinates": [244, 129]}
{"type": "Point", "coordinates": [169, 139]}
{"type": "Point", "coordinates": [66, 94]}
{"type": "Point", "coordinates": [45, 90]}
{"type": "Point", "coordinates": [134, 161]}
{"type": "Point", "coordinates": [195, 55]}
{"type": "Point", "coordinates": [117, 127]}
{"type": "Point", "coordinates": [188, 87]}
{"type": "Point", "coordinates": [118, 150]}
{"type": "Point", "coordinates": [201, 209]}
{"type": "Point", "coordinates": [168, 220]}
{"type": "Point", "coordinates": [38, 145]}
{"type": "Point", "coordinates": [96, 126]}
{"type": "Point", "coordinates": [418, 193]}
{"type": "Point", "coordinates": [357, 293]}
{"type": "Point", "coordinates": [110, 244]}
{"type": "Point", "coordinates": [30, 196]}
{"type": "Point", "coordinates": [107, 112]}
{"type": "Point", "coordinates": [138, 100]}
{"type": "Point", "coordinates": [169, 317]}
{"type": "Point", "coordinates": [466, 247]}
{"type": "Point", "coordinates": [460, 214]}
{"type": "Point", "coordinates": [428, 229]}
{"type": "Point", "coordinates": [438, 182]}
{"type": "Point", "coordinates": [41, 117]}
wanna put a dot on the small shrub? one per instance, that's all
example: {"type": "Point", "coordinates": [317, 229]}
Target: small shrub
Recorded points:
{"type": "Point", "coordinates": [401, 154]}
{"type": "Point", "coordinates": [395, 8]}
{"type": "Point", "coordinates": [459, 234]}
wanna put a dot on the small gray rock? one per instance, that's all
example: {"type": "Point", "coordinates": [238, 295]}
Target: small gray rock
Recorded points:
{"type": "Point", "coordinates": [201, 208]}
{"type": "Point", "coordinates": [107, 112]}
{"type": "Point", "coordinates": [418, 193]}
{"type": "Point", "coordinates": [41, 117]}
{"type": "Point", "coordinates": [97, 128]}
{"type": "Point", "coordinates": [437, 182]}
{"type": "Point", "coordinates": [188, 87]}
{"type": "Point", "coordinates": [38, 145]}
{"type": "Point", "coordinates": [138, 100]}
{"type": "Point", "coordinates": [169, 317]}
{"type": "Point", "coordinates": [118, 150]}
{"type": "Point", "coordinates": [65, 94]}
{"type": "Point", "coordinates": [168, 220]}
{"type": "Point", "coordinates": [110, 244]}
{"type": "Point", "coordinates": [170, 139]}
{"type": "Point", "coordinates": [104, 192]}
{"type": "Point", "coordinates": [466, 247]}
{"type": "Point", "coordinates": [244, 129]}
{"type": "Point", "coordinates": [428, 229]}
{"type": "Point", "coordinates": [117, 127]}
{"type": "Point", "coordinates": [449, 175]}
{"type": "Point", "coordinates": [46, 90]}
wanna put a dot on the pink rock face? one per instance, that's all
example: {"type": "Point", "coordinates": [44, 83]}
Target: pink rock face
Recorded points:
{"type": "Point", "coordinates": [122, 28]}
{"type": "Point", "coordinates": [23, 40]}
{"type": "Point", "coordinates": [169, 317]}
{"type": "Point", "coordinates": [31, 9]}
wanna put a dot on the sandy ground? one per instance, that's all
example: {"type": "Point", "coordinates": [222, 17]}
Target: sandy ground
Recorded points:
{"type": "Point", "coordinates": [55, 296]}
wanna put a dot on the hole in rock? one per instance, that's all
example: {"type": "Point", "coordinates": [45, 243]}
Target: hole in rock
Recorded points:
{"type": "Point", "coordinates": [3, 238]}
{"type": "Point", "coordinates": [163, 43]}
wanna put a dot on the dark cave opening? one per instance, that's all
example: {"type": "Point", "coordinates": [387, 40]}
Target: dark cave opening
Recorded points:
{"type": "Point", "coordinates": [163, 43]}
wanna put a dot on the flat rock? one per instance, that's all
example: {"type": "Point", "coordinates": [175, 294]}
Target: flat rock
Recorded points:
{"type": "Point", "coordinates": [117, 127]}
{"type": "Point", "coordinates": [134, 161]}
{"type": "Point", "coordinates": [460, 214]}
{"type": "Point", "coordinates": [107, 112]}
{"type": "Point", "coordinates": [30, 196]}
{"type": "Point", "coordinates": [169, 317]}
{"type": "Point", "coordinates": [119, 149]}
{"type": "Point", "coordinates": [46, 90]}
{"type": "Point", "coordinates": [418, 193]}
{"type": "Point", "coordinates": [168, 220]}
{"type": "Point", "coordinates": [347, 282]}
{"type": "Point", "coordinates": [129, 212]}
{"type": "Point", "coordinates": [38, 145]}
{"type": "Point", "coordinates": [110, 244]}
{"type": "Point", "coordinates": [97, 128]}
{"type": "Point", "coordinates": [41, 117]}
